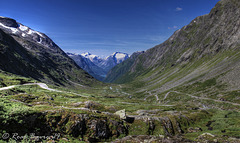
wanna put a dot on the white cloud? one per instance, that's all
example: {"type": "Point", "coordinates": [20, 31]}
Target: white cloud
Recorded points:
{"type": "Point", "coordinates": [157, 38]}
{"type": "Point", "coordinates": [174, 27]}
{"type": "Point", "coordinates": [179, 9]}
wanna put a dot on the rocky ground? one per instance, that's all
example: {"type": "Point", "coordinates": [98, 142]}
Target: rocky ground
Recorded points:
{"type": "Point", "coordinates": [80, 115]}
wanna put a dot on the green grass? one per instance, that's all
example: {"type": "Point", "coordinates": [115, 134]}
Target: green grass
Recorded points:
{"type": "Point", "coordinates": [7, 79]}
{"type": "Point", "coordinates": [224, 123]}
{"type": "Point", "coordinates": [113, 97]}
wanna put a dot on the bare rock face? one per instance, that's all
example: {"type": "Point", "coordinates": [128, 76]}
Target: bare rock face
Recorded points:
{"type": "Point", "coordinates": [78, 128]}
{"type": "Point", "coordinates": [82, 125]}
{"type": "Point", "coordinates": [91, 104]}
{"type": "Point", "coordinates": [9, 22]}
{"type": "Point", "coordinates": [100, 130]}
{"type": "Point", "coordinates": [152, 139]}
{"type": "Point", "coordinates": [87, 127]}
{"type": "Point", "coordinates": [168, 126]}
{"type": "Point", "coordinates": [99, 127]}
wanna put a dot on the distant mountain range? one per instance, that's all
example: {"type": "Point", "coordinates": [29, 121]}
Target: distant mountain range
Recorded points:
{"type": "Point", "coordinates": [44, 60]}
{"type": "Point", "coordinates": [96, 66]}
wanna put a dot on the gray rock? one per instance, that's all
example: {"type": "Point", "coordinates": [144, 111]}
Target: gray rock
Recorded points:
{"type": "Point", "coordinates": [121, 114]}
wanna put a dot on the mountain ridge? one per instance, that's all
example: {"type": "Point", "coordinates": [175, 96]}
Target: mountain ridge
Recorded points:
{"type": "Point", "coordinates": [46, 60]}
{"type": "Point", "coordinates": [186, 89]}
{"type": "Point", "coordinates": [197, 52]}
{"type": "Point", "coordinates": [96, 66]}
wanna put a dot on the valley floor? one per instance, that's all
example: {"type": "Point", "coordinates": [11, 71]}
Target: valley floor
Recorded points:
{"type": "Point", "coordinates": [109, 113]}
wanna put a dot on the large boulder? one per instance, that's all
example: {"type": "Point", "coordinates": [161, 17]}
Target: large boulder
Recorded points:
{"type": "Point", "coordinates": [121, 114]}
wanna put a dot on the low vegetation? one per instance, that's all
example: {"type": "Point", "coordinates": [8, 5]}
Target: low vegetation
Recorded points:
{"type": "Point", "coordinates": [77, 114]}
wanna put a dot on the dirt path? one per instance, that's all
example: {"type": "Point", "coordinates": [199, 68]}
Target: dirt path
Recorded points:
{"type": "Point", "coordinates": [8, 87]}
{"type": "Point", "coordinates": [150, 94]}
{"type": "Point", "coordinates": [75, 83]}
{"type": "Point", "coordinates": [156, 97]}
{"type": "Point", "coordinates": [147, 97]}
{"type": "Point", "coordinates": [43, 86]}
{"type": "Point", "coordinates": [203, 98]}
{"type": "Point", "coordinates": [166, 95]}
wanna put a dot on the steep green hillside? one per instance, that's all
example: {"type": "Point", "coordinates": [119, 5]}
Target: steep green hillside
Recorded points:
{"type": "Point", "coordinates": [207, 48]}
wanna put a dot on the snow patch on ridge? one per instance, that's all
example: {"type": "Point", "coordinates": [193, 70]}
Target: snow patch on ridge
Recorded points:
{"type": "Point", "coordinates": [23, 28]}
{"type": "Point", "coordinates": [90, 56]}
{"type": "Point", "coordinates": [14, 30]}
{"type": "Point", "coordinates": [120, 56]}
{"type": "Point", "coordinates": [30, 31]}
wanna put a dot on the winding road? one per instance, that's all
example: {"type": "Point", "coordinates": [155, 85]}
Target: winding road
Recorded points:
{"type": "Point", "coordinates": [8, 87]}
{"type": "Point", "coordinates": [150, 94]}
{"type": "Point", "coordinates": [44, 86]}
{"type": "Point", "coordinates": [204, 98]}
{"type": "Point", "coordinates": [41, 85]}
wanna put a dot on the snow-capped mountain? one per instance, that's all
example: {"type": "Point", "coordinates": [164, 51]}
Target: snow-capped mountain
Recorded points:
{"type": "Point", "coordinates": [21, 31]}
{"type": "Point", "coordinates": [86, 64]}
{"type": "Point", "coordinates": [119, 57]}
{"type": "Point", "coordinates": [30, 53]}
{"type": "Point", "coordinates": [107, 63]}
{"type": "Point", "coordinates": [93, 58]}
{"type": "Point", "coordinates": [96, 66]}
{"type": "Point", "coordinates": [15, 28]}
{"type": "Point", "coordinates": [114, 59]}
{"type": "Point", "coordinates": [93, 64]}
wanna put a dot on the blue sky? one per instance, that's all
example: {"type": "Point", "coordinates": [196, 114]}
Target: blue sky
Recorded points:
{"type": "Point", "coordinates": [105, 26]}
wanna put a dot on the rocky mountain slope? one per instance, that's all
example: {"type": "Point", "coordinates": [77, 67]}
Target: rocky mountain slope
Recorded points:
{"type": "Point", "coordinates": [184, 90]}
{"type": "Point", "coordinates": [205, 52]}
{"type": "Point", "coordinates": [26, 52]}
{"type": "Point", "coordinates": [89, 66]}
{"type": "Point", "coordinates": [122, 68]}
{"type": "Point", "coordinates": [96, 66]}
